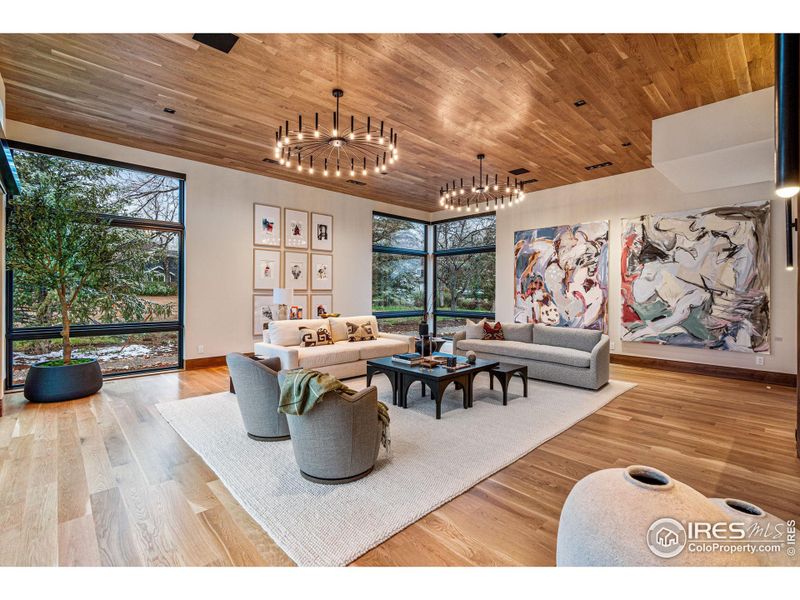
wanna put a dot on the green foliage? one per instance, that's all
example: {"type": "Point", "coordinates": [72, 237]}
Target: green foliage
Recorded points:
{"type": "Point", "coordinates": [61, 362]}
{"type": "Point", "coordinates": [70, 265]}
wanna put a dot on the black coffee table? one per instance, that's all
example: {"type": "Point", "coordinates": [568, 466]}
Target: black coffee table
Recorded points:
{"type": "Point", "coordinates": [401, 376]}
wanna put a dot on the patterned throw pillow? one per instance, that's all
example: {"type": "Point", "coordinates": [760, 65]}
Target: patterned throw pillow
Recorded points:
{"type": "Point", "coordinates": [315, 337]}
{"type": "Point", "coordinates": [360, 332]}
{"type": "Point", "coordinates": [493, 332]}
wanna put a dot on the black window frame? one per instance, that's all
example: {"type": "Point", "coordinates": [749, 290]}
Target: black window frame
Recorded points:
{"type": "Point", "coordinates": [77, 331]}
{"type": "Point", "coordinates": [435, 312]}
{"type": "Point", "coordinates": [388, 314]}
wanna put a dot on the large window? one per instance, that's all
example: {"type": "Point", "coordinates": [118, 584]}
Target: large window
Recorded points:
{"type": "Point", "coordinates": [464, 271]}
{"type": "Point", "coordinates": [399, 251]}
{"type": "Point", "coordinates": [129, 317]}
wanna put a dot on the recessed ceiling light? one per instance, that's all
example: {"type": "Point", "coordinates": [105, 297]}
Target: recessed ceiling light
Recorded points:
{"type": "Point", "coordinates": [498, 35]}
{"type": "Point", "coordinates": [598, 166]}
{"type": "Point", "coordinates": [169, 110]}
{"type": "Point", "coordinates": [626, 144]}
{"type": "Point", "coordinates": [580, 102]}
{"type": "Point", "coordinates": [355, 182]}
{"type": "Point", "coordinates": [269, 160]}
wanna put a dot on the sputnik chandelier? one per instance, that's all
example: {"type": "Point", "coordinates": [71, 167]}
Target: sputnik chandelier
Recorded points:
{"type": "Point", "coordinates": [354, 149]}
{"type": "Point", "coordinates": [485, 193]}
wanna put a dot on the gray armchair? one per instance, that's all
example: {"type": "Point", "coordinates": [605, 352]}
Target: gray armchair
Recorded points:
{"type": "Point", "coordinates": [338, 440]}
{"type": "Point", "coordinates": [258, 393]}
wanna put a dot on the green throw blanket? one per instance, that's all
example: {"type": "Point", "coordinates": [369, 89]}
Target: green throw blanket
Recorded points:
{"type": "Point", "coordinates": [302, 389]}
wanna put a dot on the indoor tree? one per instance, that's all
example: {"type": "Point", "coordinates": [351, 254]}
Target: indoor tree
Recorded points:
{"type": "Point", "coordinates": [72, 267]}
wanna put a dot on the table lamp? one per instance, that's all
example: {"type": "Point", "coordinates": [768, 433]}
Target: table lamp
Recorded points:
{"type": "Point", "coordinates": [283, 297]}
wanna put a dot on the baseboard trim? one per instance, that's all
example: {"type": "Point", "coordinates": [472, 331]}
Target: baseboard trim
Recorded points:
{"type": "Point", "coordinates": [205, 362]}
{"type": "Point", "coordinates": [768, 377]}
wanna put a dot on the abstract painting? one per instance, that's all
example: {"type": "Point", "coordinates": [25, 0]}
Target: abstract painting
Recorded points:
{"type": "Point", "coordinates": [264, 312]}
{"type": "Point", "coordinates": [266, 269]}
{"type": "Point", "coordinates": [698, 278]}
{"type": "Point", "coordinates": [296, 270]}
{"type": "Point", "coordinates": [321, 232]}
{"type": "Point", "coordinates": [266, 225]}
{"type": "Point", "coordinates": [296, 228]}
{"type": "Point", "coordinates": [321, 272]}
{"type": "Point", "coordinates": [561, 276]}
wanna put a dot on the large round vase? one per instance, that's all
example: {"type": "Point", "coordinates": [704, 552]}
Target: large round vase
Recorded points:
{"type": "Point", "coordinates": [634, 517]}
{"type": "Point", "coordinates": [66, 382]}
{"type": "Point", "coordinates": [761, 527]}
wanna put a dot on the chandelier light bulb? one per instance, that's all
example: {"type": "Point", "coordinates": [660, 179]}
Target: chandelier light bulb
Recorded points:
{"type": "Point", "coordinates": [316, 133]}
{"type": "Point", "coordinates": [300, 135]}
{"type": "Point", "coordinates": [381, 140]}
{"type": "Point", "coordinates": [508, 189]}
{"type": "Point", "coordinates": [299, 167]}
{"type": "Point", "coordinates": [364, 171]}
{"type": "Point", "coordinates": [281, 161]}
{"type": "Point", "coordinates": [325, 172]}
{"type": "Point", "coordinates": [335, 132]}
{"type": "Point", "coordinates": [338, 173]}
{"type": "Point", "coordinates": [369, 137]}
{"type": "Point", "coordinates": [461, 191]}
{"type": "Point", "coordinates": [280, 144]}
{"type": "Point", "coordinates": [459, 208]}
{"type": "Point", "coordinates": [286, 140]}
{"type": "Point", "coordinates": [352, 135]}
{"type": "Point", "coordinates": [310, 170]}
{"type": "Point", "coordinates": [352, 173]}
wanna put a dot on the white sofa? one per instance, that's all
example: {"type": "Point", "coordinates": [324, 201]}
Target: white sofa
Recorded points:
{"type": "Point", "coordinates": [342, 358]}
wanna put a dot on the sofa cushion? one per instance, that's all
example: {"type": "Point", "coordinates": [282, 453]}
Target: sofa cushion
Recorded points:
{"type": "Point", "coordinates": [321, 336]}
{"type": "Point", "coordinates": [518, 332]}
{"type": "Point", "coordinates": [377, 348]}
{"type": "Point", "coordinates": [512, 350]}
{"type": "Point", "coordinates": [474, 331]}
{"type": "Point", "coordinates": [566, 337]}
{"type": "Point", "coordinates": [493, 331]}
{"type": "Point", "coordinates": [339, 325]}
{"type": "Point", "coordinates": [322, 356]}
{"type": "Point", "coordinates": [287, 333]}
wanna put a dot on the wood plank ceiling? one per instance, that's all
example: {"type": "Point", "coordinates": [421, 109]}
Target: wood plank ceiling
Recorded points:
{"type": "Point", "coordinates": [450, 96]}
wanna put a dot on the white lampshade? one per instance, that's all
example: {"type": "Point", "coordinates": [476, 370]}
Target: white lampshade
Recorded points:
{"type": "Point", "coordinates": [283, 296]}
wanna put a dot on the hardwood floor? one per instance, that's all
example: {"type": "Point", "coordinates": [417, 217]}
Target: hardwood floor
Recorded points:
{"type": "Point", "coordinates": [106, 481]}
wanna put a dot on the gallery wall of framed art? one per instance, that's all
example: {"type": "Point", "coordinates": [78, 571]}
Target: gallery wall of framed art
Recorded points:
{"type": "Point", "coordinates": [293, 249]}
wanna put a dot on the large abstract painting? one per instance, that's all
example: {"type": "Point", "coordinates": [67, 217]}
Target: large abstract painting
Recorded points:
{"type": "Point", "coordinates": [698, 278]}
{"type": "Point", "coordinates": [561, 276]}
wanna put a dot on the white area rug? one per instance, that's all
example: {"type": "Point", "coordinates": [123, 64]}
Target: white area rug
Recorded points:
{"type": "Point", "coordinates": [431, 461]}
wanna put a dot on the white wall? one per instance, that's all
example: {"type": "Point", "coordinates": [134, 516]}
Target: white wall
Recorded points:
{"type": "Point", "coordinates": [630, 195]}
{"type": "Point", "coordinates": [219, 237]}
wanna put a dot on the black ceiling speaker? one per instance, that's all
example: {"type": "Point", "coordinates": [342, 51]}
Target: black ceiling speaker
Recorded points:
{"type": "Point", "coordinates": [787, 114]}
{"type": "Point", "coordinates": [223, 42]}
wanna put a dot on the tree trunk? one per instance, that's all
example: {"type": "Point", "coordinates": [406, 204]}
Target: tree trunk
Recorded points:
{"type": "Point", "coordinates": [66, 343]}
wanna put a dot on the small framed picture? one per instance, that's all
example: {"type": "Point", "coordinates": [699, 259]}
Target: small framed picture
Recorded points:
{"type": "Point", "coordinates": [266, 269]}
{"type": "Point", "coordinates": [299, 308]}
{"type": "Point", "coordinates": [296, 270]}
{"type": "Point", "coordinates": [296, 228]}
{"type": "Point", "coordinates": [321, 271]}
{"type": "Point", "coordinates": [263, 312]}
{"type": "Point", "coordinates": [266, 225]}
{"type": "Point", "coordinates": [321, 305]}
{"type": "Point", "coordinates": [321, 232]}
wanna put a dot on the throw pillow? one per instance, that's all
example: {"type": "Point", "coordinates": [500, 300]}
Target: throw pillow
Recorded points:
{"type": "Point", "coordinates": [360, 332]}
{"type": "Point", "coordinates": [493, 332]}
{"type": "Point", "coordinates": [474, 330]}
{"type": "Point", "coordinates": [321, 336]}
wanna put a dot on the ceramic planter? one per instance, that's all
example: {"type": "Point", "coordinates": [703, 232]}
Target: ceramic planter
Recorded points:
{"type": "Point", "coordinates": [66, 382]}
{"type": "Point", "coordinates": [761, 525]}
{"type": "Point", "coordinates": [608, 520]}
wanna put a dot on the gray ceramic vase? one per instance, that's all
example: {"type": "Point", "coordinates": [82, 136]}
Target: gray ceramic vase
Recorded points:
{"type": "Point", "coordinates": [760, 525]}
{"type": "Point", "coordinates": [615, 517]}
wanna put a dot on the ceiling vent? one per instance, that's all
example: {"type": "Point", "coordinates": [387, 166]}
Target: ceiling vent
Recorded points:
{"type": "Point", "coordinates": [355, 182]}
{"type": "Point", "coordinates": [223, 42]}
{"type": "Point", "coordinates": [598, 166]}
{"type": "Point", "coordinates": [169, 111]}
{"type": "Point", "coordinates": [271, 161]}
{"type": "Point", "coordinates": [520, 171]}
{"type": "Point", "coordinates": [527, 181]}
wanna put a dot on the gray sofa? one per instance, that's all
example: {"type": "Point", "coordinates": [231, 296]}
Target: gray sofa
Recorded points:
{"type": "Point", "coordinates": [578, 357]}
